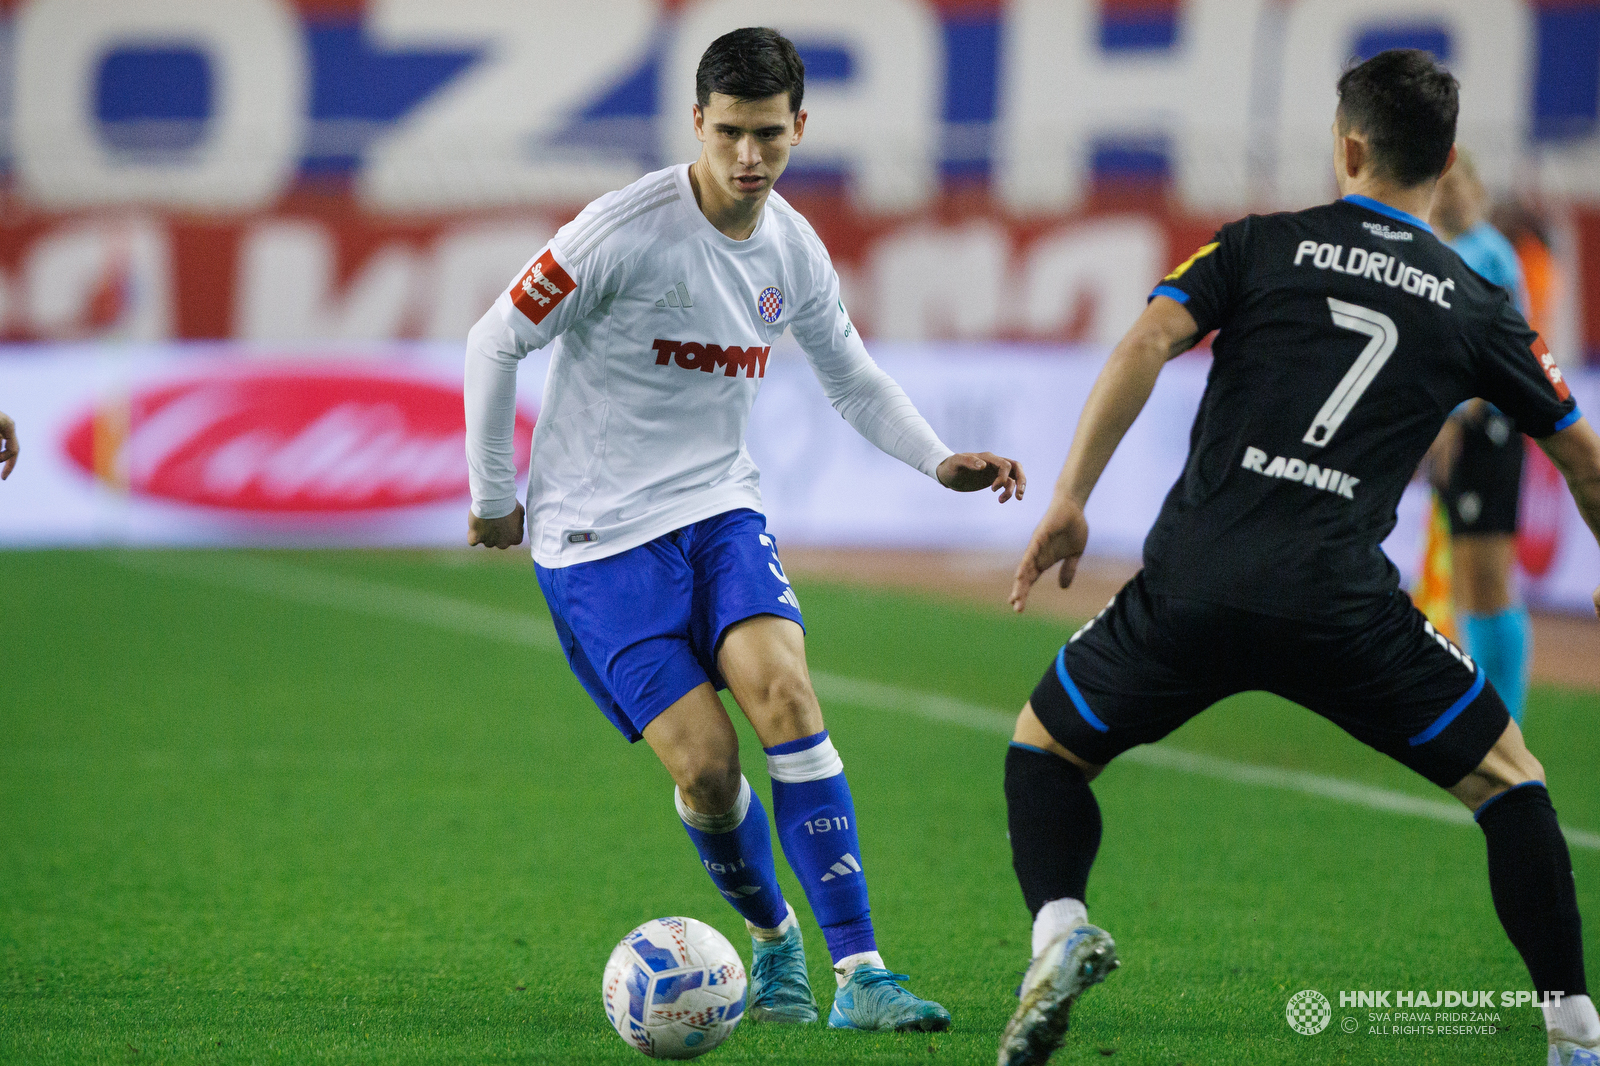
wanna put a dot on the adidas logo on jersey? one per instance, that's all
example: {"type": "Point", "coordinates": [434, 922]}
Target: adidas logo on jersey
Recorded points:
{"type": "Point", "coordinates": [843, 868]}
{"type": "Point", "coordinates": [1318, 477]}
{"type": "Point", "coordinates": [677, 296]}
{"type": "Point", "coordinates": [692, 355]}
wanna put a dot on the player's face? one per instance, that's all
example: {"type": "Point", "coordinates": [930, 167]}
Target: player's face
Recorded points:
{"type": "Point", "coordinates": [747, 142]}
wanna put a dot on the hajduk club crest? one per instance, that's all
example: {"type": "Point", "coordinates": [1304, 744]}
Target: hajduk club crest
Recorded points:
{"type": "Point", "coordinates": [770, 304]}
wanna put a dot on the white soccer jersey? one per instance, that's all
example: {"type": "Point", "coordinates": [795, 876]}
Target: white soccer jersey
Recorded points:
{"type": "Point", "coordinates": [659, 327]}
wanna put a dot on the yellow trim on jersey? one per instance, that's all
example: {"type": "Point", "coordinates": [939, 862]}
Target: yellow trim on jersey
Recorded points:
{"type": "Point", "coordinates": [1205, 250]}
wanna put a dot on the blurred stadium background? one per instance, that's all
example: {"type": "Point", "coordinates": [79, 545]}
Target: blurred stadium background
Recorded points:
{"type": "Point", "coordinates": [212, 208]}
{"type": "Point", "coordinates": [241, 243]}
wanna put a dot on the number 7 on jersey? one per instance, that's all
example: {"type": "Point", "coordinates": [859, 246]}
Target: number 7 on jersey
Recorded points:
{"type": "Point", "coordinates": [1385, 335]}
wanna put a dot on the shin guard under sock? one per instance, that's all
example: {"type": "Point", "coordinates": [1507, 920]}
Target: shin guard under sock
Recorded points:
{"type": "Point", "coordinates": [1530, 878]}
{"type": "Point", "coordinates": [736, 850]}
{"type": "Point", "coordinates": [817, 827]}
{"type": "Point", "coordinates": [1055, 825]}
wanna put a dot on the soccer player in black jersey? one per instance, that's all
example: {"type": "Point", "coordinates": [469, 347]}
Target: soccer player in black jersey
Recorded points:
{"type": "Point", "coordinates": [1346, 334]}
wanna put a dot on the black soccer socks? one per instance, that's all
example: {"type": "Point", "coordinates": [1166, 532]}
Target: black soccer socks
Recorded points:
{"type": "Point", "coordinates": [1055, 825]}
{"type": "Point", "coordinates": [1530, 877]}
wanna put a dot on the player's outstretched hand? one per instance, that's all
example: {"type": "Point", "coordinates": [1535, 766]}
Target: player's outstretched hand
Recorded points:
{"type": "Point", "coordinates": [495, 532]}
{"type": "Point", "coordinates": [1060, 538]}
{"type": "Point", "coordinates": [8, 445]}
{"type": "Point", "coordinates": [971, 471]}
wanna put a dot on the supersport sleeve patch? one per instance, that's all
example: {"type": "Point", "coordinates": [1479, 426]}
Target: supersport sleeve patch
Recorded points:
{"type": "Point", "coordinates": [1519, 375]}
{"type": "Point", "coordinates": [543, 285]}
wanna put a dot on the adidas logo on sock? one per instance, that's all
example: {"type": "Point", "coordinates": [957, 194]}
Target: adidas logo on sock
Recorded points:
{"type": "Point", "coordinates": [846, 865]}
{"type": "Point", "coordinates": [740, 891]}
{"type": "Point", "coordinates": [676, 297]}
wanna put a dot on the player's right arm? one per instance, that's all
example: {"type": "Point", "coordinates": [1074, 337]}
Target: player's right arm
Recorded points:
{"type": "Point", "coordinates": [1166, 329]}
{"type": "Point", "coordinates": [549, 294]}
{"type": "Point", "coordinates": [1576, 453]}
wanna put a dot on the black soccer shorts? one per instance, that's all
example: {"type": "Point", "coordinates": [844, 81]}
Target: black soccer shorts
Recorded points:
{"type": "Point", "coordinates": [1486, 481]}
{"type": "Point", "coordinates": [1148, 663]}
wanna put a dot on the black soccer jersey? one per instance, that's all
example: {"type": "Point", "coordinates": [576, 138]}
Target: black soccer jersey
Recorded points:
{"type": "Point", "coordinates": [1346, 334]}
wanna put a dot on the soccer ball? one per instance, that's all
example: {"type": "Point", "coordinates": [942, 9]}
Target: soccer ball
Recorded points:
{"type": "Point", "coordinates": [674, 988]}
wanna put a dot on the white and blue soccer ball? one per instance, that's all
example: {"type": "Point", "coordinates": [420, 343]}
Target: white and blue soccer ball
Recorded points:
{"type": "Point", "coordinates": [674, 988]}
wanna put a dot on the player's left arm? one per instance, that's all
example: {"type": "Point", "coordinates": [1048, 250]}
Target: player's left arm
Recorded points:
{"type": "Point", "coordinates": [1165, 330]}
{"type": "Point", "coordinates": [1576, 453]}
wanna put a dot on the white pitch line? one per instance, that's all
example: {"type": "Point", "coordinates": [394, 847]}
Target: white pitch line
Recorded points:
{"type": "Point", "coordinates": [318, 589]}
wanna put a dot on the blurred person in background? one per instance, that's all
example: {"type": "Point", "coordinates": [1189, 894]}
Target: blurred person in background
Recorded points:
{"type": "Point", "coordinates": [8, 445]}
{"type": "Point", "coordinates": [1476, 464]}
{"type": "Point", "coordinates": [1529, 233]}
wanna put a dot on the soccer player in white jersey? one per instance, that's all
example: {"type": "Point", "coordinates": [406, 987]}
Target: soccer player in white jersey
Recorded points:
{"type": "Point", "coordinates": [660, 303]}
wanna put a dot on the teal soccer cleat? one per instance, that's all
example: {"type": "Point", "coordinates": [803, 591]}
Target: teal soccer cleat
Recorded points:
{"type": "Point", "coordinates": [1071, 963]}
{"type": "Point", "coordinates": [872, 999]}
{"type": "Point", "coordinates": [780, 991]}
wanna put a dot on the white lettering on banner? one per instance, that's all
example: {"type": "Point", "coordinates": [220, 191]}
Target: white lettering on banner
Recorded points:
{"type": "Point", "coordinates": [1489, 43]}
{"type": "Point", "coordinates": [488, 139]}
{"type": "Point", "coordinates": [1090, 281]}
{"type": "Point", "coordinates": [248, 147]}
{"type": "Point", "coordinates": [939, 283]}
{"type": "Point", "coordinates": [286, 288]}
{"type": "Point", "coordinates": [882, 124]}
{"type": "Point", "coordinates": [107, 280]}
{"type": "Point", "coordinates": [1060, 92]}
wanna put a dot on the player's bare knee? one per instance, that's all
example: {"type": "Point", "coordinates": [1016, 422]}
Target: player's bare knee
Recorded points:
{"type": "Point", "coordinates": [1508, 764]}
{"type": "Point", "coordinates": [1032, 733]}
{"type": "Point", "coordinates": [709, 781]}
{"type": "Point", "coordinates": [788, 706]}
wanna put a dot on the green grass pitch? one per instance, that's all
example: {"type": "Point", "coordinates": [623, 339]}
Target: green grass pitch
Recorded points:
{"type": "Point", "coordinates": [242, 827]}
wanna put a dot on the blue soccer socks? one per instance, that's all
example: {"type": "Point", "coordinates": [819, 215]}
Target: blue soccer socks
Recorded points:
{"type": "Point", "coordinates": [736, 850]}
{"type": "Point", "coordinates": [817, 827]}
{"type": "Point", "coordinates": [1502, 645]}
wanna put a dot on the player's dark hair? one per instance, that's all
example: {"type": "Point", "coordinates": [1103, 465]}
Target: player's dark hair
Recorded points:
{"type": "Point", "coordinates": [751, 64]}
{"type": "Point", "coordinates": [1406, 104]}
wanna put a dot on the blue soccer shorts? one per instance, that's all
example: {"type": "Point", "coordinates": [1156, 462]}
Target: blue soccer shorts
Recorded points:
{"type": "Point", "coordinates": [641, 629]}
